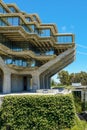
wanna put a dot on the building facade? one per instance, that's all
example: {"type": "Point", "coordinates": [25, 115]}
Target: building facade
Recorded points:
{"type": "Point", "coordinates": [30, 52]}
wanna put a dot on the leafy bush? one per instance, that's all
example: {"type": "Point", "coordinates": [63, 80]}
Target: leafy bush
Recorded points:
{"type": "Point", "coordinates": [79, 105]}
{"type": "Point", "coordinates": [37, 112]}
{"type": "Point", "coordinates": [82, 125]}
{"type": "Point", "coordinates": [84, 106]}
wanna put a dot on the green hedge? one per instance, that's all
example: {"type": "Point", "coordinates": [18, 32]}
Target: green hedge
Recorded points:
{"type": "Point", "coordinates": [37, 112]}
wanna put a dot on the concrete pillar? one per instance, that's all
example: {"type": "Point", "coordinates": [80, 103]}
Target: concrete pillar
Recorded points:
{"type": "Point", "coordinates": [44, 81]}
{"type": "Point", "coordinates": [48, 83]}
{"type": "Point", "coordinates": [86, 96]}
{"type": "Point", "coordinates": [7, 83]}
{"type": "Point", "coordinates": [47, 80]}
{"type": "Point", "coordinates": [82, 95]}
{"type": "Point", "coordinates": [35, 81]}
{"type": "Point", "coordinates": [41, 82]}
{"type": "Point", "coordinates": [28, 83]}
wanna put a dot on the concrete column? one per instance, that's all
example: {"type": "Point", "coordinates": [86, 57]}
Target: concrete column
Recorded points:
{"type": "Point", "coordinates": [44, 81]}
{"type": "Point", "coordinates": [41, 82]}
{"type": "Point", "coordinates": [35, 81]}
{"type": "Point", "coordinates": [86, 96]}
{"type": "Point", "coordinates": [48, 83]}
{"type": "Point", "coordinates": [28, 83]}
{"type": "Point", "coordinates": [7, 83]}
{"type": "Point", "coordinates": [47, 80]}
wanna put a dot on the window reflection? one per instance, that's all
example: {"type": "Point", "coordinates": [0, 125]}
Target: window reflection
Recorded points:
{"type": "Point", "coordinates": [2, 10]}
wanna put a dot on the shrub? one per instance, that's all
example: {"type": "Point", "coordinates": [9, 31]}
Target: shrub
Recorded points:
{"type": "Point", "coordinates": [37, 112]}
{"type": "Point", "coordinates": [82, 125]}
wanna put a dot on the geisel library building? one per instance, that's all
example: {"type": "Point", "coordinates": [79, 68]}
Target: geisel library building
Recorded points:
{"type": "Point", "coordinates": [30, 52]}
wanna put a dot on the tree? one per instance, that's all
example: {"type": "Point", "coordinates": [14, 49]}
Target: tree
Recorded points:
{"type": "Point", "coordinates": [72, 78]}
{"type": "Point", "coordinates": [68, 79]}
{"type": "Point", "coordinates": [52, 82]}
{"type": "Point", "coordinates": [83, 77]}
{"type": "Point", "coordinates": [64, 77]}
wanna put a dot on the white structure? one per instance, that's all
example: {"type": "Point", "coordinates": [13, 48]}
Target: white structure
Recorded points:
{"type": "Point", "coordinates": [80, 91]}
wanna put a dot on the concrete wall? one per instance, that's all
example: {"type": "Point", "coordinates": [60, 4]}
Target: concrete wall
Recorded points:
{"type": "Point", "coordinates": [17, 84]}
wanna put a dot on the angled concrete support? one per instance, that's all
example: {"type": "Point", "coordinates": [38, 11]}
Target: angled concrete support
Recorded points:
{"type": "Point", "coordinates": [54, 66]}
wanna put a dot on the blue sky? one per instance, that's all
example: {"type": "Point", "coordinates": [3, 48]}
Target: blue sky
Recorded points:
{"type": "Point", "coordinates": [70, 16]}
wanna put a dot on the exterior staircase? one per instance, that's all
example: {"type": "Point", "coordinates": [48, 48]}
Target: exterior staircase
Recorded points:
{"type": "Point", "coordinates": [52, 67]}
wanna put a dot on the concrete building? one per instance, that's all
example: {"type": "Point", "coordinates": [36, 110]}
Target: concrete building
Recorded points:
{"type": "Point", "coordinates": [30, 52]}
{"type": "Point", "coordinates": [80, 91]}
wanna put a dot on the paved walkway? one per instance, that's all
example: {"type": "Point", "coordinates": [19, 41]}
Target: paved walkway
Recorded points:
{"type": "Point", "coordinates": [40, 92]}
{"type": "Point", "coordinates": [14, 94]}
